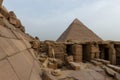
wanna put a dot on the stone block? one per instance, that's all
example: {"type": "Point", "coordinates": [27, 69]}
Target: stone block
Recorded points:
{"type": "Point", "coordinates": [19, 44]}
{"type": "Point", "coordinates": [27, 44]}
{"type": "Point", "coordinates": [96, 63]}
{"type": "Point", "coordinates": [6, 71]}
{"type": "Point", "coordinates": [5, 32]}
{"type": "Point", "coordinates": [32, 52]}
{"type": "Point", "coordinates": [35, 75]}
{"type": "Point", "coordinates": [70, 59]}
{"type": "Point", "coordinates": [2, 53]}
{"type": "Point", "coordinates": [22, 65]}
{"type": "Point", "coordinates": [103, 61]}
{"type": "Point", "coordinates": [47, 76]}
{"type": "Point", "coordinates": [116, 68]}
{"type": "Point", "coordinates": [7, 46]}
{"type": "Point", "coordinates": [77, 58]}
{"type": "Point", "coordinates": [52, 65]}
{"type": "Point", "coordinates": [75, 66]}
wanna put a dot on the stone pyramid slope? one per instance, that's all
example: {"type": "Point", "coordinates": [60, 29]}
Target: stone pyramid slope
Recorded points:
{"type": "Point", "coordinates": [77, 31]}
{"type": "Point", "coordinates": [17, 60]}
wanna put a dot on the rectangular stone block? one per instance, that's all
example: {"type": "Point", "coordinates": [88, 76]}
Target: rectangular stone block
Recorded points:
{"type": "Point", "coordinates": [6, 71]}
{"type": "Point", "coordinates": [6, 32]}
{"type": "Point", "coordinates": [27, 44]}
{"type": "Point", "coordinates": [75, 66]}
{"type": "Point", "coordinates": [19, 44]}
{"type": "Point", "coordinates": [2, 53]}
{"type": "Point", "coordinates": [7, 47]}
{"type": "Point", "coordinates": [22, 65]}
{"type": "Point", "coordinates": [35, 75]}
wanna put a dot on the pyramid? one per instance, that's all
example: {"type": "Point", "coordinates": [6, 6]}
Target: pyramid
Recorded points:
{"type": "Point", "coordinates": [77, 31]}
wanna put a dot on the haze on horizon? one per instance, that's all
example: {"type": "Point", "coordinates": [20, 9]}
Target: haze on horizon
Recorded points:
{"type": "Point", "coordinates": [48, 19]}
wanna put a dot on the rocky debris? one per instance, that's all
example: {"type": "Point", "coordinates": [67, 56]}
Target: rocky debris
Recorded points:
{"type": "Point", "coordinates": [116, 68]}
{"type": "Point", "coordinates": [74, 66]}
{"type": "Point", "coordinates": [103, 61]}
{"type": "Point", "coordinates": [47, 76]}
{"type": "Point", "coordinates": [35, 43]}
{"type": "Point", "coordinates": [109, 71]}
{"type": "Point", "coordinates": [56, 72]}
{"type": "Point", "coordinates": [52, 65]}
{"type": "Point", "coordinates": [70, 59]}
{"type": "Point", "coordinates": [117, 76]}
{"type": "Point", "coordinates": [4, 12]}
{"type": "Point", "coordinates": [15, 21]}
{"type": "Point", "coordinates": [96, 63]}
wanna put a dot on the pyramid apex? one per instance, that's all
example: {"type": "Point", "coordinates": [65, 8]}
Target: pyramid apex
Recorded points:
{"type": "Point", "coordinates": [76, 21]}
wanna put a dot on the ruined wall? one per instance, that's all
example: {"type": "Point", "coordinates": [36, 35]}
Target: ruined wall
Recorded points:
{"type": "Point", "coordinates": [56, 50]}
{"type": "Point", "coordinates": [117, 48]}
{"type": "Point", "coordinates": [77, 52]}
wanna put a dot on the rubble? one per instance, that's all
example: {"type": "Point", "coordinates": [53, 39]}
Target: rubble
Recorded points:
{"type": "Point", "coordinates": [74, 66]}
{"type": "Point", "coordinates": [56, 72]}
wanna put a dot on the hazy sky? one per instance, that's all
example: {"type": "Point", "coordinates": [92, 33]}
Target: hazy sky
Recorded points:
{"type": "Point", "coordinates": [47, 19]}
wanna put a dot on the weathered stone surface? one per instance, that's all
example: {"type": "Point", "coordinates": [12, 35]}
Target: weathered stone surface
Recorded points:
{"type": "Point", "coordinates": [19, 44]}
{"type": "Point", "coordinates": [52, 65]}
{"type": "Point", "coordinates": [35, 75]}
{"type": "Point", "coordinates": [27, 44]}
{"type": "Point", "coordinates": [4, 12]}
{"type": "Point", "coordinates": [116, 68]}
{"type": "Point", "coordinates": [6, 47]}
{"type": "Point", "coordinates": [74, 66]}
{"type": "Point", "coordinates": [11, 46]}
{"type": "Point", "coordinates": [47, 76]}
{"type": "Point", "coordinates": [22, 65]}
{"type": "Point", "coordinates": [70, 59]}
{"type": "Point", "coordinates": [2, 53]}
{"type": "Point", "coordinates": [103, 61]}
{"type": "Point", "coordinates": [6, 32]}
{"type": "Point", "coordinates": [6, 71]}
{"type": "Point", "coordinates": [109, 71]}
{"type": "Point", "coordinates": [32, 52]}
{"type": "Point", "coordinates": [96, 63]}
{"type": "Point", "coordinates": [8, 25]}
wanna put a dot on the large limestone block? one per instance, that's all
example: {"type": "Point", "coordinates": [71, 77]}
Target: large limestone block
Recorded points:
{"type": "Point", "coordinates": [22, 65]}
{"type": "Point", "coordinates": [2, 53]}
{"type": "Point", "coordinates": [18, 34]}
{"type": "Point", "coordinates": [35, 75]}
{"type": "Point", "coordinates": [6, 32]}
{"type": "Point", "coordinates": [11, 46]}
{"type": "Point", "coordinates": [27, 44]}
{"type": "Point", "coordinates": [32, 52]}
{"type": "Point", "coordinates": [19, 44]}
{"type": "Point", "coordinates": [6, 71]}
{"type": "Point", "coordinates": [7, 47]}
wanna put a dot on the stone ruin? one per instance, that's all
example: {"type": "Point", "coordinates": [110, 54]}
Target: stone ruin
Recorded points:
{"type": "Point", "coordinates": [78, 54]}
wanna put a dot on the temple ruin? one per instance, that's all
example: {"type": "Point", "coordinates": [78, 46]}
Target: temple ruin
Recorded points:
{"type": "Point", "coordinates": [78, 54]}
